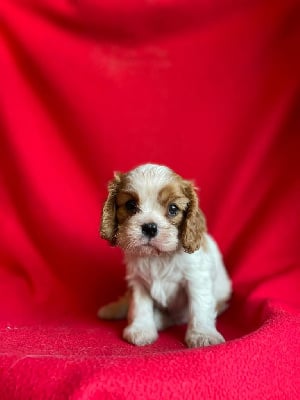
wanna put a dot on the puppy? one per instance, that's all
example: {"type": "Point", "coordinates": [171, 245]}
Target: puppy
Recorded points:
{"type": "Point", "coordinates": [175, 271]}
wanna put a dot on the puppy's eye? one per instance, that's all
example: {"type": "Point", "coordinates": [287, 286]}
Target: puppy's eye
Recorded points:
{"type": "Point", "coordinates": [131, 206]}
{"type": "Point", "coordinates": [173, 210]}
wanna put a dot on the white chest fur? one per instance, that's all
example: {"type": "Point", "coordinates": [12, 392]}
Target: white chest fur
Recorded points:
{"type": "Point", "coordinates": [161, 276]}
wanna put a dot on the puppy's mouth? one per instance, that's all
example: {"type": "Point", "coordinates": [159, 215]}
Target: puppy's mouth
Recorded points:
{"type": "Point", "coordinates": [150, 246]}
{"type": "Point", "coordinates": [155, 247]}
{"type": "Point", "coordinates": [145, 247]}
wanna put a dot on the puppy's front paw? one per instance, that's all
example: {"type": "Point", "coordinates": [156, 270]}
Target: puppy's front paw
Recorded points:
{"type": "Point", "coordinates": [140, 336]}
{"type": "Point", "coordinates": [196, 338]}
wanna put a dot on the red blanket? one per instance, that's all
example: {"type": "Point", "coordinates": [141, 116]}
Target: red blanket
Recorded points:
{"type": "Point", "coordinates": [88, 87]}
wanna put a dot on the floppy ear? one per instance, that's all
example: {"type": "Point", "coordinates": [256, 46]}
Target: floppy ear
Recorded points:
{"type": "Point", "coordinates": [109, 225]}
{"type": "Point", "coordinates": [194, 225]}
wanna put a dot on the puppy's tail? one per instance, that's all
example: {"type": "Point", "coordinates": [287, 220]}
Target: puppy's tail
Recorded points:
{"type": "Point", "coordinates": [115, 310]}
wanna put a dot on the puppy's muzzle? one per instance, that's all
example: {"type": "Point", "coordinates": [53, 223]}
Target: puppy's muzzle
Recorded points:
{"type": "Point", "coordinates": [150, 230]}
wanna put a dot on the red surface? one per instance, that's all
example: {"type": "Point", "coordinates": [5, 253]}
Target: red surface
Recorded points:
{"type": "Point", "coordinates": [88, 87]}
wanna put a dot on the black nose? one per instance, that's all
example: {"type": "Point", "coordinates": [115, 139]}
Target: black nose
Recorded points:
{"type": "Point", "coordinates": [149, 230]}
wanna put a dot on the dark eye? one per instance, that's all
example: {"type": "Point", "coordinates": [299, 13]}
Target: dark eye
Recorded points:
{"type": "Point", "coordinates": [131, 206]}
{"type": "Point", "coordinates": [173, 210]}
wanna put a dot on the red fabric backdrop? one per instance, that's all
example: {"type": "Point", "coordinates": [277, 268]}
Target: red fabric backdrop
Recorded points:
{"type": "Point", "coordinates": [88, 87]}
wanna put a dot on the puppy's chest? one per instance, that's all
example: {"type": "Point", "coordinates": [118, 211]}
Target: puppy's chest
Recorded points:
{"type": "Point", "coordinates": [162, 279]}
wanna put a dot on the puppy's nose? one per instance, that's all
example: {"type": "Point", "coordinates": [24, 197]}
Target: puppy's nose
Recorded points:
{"type": "Point", "coordinates": [150, 229]}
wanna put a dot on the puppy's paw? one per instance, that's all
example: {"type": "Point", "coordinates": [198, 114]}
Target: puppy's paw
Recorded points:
{"type": "Point", "coordinates": [196, 338]}
{"type": "Point", "coordinates": [115, 310]}
{"type": "Point", "coordinates": [106, 312]}
{"type": "Point", "coordinates": [140, 336]}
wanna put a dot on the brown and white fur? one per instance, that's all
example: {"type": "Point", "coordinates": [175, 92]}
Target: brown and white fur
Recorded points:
{"type": "Point", "coordinates": [175, 271]}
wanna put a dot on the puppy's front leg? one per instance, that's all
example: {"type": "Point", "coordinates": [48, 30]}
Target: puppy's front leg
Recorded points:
{"type": "Point", "coordinates": [141, 329]}
{"type": "Point", "coordinates": [201, 330]}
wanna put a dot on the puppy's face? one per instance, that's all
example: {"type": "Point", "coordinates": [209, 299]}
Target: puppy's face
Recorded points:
{"type": "Point", "coordinates": [151, 210]}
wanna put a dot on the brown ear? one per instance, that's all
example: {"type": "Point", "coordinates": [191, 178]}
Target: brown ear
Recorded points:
{"type": "Point", "coordinates": [109, 224]}
{"type": "Point", "coordinates": [194, 225]}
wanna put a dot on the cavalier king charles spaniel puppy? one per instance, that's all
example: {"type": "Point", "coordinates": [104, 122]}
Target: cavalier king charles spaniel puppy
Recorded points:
{"type": "Point", "coordinates": [175, 271]}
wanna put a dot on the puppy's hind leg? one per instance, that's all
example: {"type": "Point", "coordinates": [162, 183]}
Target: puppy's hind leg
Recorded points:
{"type": "Point", "coordinates": [115, 310]}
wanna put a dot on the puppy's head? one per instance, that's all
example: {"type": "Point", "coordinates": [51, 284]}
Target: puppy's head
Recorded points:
{"type": "Point", "coordinates": [151, 210]}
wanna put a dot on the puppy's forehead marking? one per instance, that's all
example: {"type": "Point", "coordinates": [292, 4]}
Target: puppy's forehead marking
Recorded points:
{"type": "Point", "coordinates": [148, 180]}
